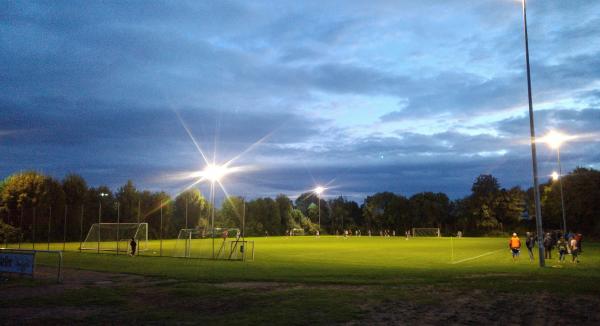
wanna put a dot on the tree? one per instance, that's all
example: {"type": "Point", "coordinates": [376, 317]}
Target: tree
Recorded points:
{"type": "Point", "coordinates": [128, 197]}
{"type": "Point", "coordinates": [195, 205]}
{"type": "Point", "coordinates": [284, 203]}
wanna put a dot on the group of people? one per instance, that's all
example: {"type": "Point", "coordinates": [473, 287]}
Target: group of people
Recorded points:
{"type": "Point", "coordinates": [569, 244]}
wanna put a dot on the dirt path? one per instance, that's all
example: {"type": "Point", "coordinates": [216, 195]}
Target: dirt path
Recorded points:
{"type": "Point", "coordinates": [88, 297]}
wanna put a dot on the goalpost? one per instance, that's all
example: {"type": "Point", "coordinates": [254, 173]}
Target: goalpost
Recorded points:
{"type": "Point", "coordinates": [116, 236]}
{"type": "Point", "coordinates": [198, 243]}
{"type": "Point", "coordinates": [297, 231]}
{"type": "Point", "coordinates": [426, 232]}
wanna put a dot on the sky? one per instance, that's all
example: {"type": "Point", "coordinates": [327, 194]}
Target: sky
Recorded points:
{"type": "Point", "coordinates": [359, 96]}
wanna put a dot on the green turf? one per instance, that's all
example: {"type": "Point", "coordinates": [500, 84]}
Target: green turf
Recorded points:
{"type": "Point", "coordinates": [364, 260]}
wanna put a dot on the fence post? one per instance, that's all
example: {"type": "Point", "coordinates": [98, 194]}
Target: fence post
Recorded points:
{"type": "Point", "coordinates": [161, 227]}
{"type": "Point", "coordinates": [81, 229]}
{"type": "Point", "coordinates": [65, 229]}
{"type": "Point", "coordinates": [33, 229]}
{"type": "Point", "coordinates": [21, 228]}
{"type": "Point", "coordinates": [49, 222]}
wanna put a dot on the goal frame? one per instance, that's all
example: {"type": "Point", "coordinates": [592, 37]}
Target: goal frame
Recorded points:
{"type": "Point", "coordinates": [142, 239]}
{"type": "Point", "coordinates": [436, 232]}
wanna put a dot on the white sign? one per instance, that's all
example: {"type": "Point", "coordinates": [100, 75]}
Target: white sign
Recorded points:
{"type": "Point", "coordinates": [14, 262]}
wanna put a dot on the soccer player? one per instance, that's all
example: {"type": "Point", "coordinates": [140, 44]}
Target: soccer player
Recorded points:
{"type": "Point", "coordinates": [561, 246]}
{"type": "Point", "coordinates": [133, 245]}
{"type": "Point", "coordinates": [529, 243]}
{"type": "Point", "coordinates": [515, 246]}
{"type": "Point", "coordinates": [548, 244]}
{"type": "Point", "coordinates": [574, 249]}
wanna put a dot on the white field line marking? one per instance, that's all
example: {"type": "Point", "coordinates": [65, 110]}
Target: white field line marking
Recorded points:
{"type": "Point", "coordinates": [482, 255]}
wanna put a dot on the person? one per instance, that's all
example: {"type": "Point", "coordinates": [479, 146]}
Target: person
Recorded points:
{"type": "Point", "coordinates": [515, 246]}
{"type": "Point", "coordinates": [529, 243]}
{"type": "Point", "coordinates": [133, 246]}
{"type": "Point", "coordinates": [548, 244]}
{"type": "Point", "coordinates": [579, 237]}
{"type": "Point", "coordinates": [345, 234]}
{"type": "Point", "coordinates": [561, 246]}
{"type": "Point", "coordinates": [266, 234]}
{"type": "Point", "coordinates": [574, 249]}
{"type": "Point", "coordinates": [459, 234]}
{"type": "Point", "coordinates": [318, 234]}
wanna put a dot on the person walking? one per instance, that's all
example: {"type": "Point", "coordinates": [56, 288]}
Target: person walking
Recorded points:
{"type": "Point", "coordinates": [515, 246]}
{"type": "Point", "coordinates": [561, 246]}
{"type": "Point", "coordinates": [529, 243]}
{"type": "Point", "coordinates": [548, 244]}
{"type": "Point", "coordinates": [579, 238]}
{"type": "Point", "coordinates": [574, 249]}
{"type": "Point", "coordinates": [133, 246]}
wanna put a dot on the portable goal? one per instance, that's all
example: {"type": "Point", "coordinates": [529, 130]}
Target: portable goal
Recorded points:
{"type": "Point", "coordinates": [297, 231]}
{"type": "Point", "coordinates": [116, 237]}
{"type": "Point", "coordinates": [200, 243]}
{"type": "Point", "coordinates": [426, 232]}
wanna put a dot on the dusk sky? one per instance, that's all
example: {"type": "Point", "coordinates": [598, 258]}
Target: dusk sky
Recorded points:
{"type": "Point", "coordinates": [365, 96]}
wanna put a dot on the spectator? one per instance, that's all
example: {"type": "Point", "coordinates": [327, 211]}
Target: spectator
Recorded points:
{"type": "Point", "coordinates": [548, 244]}
{"type": "Point", "coordinates": [529, 243]}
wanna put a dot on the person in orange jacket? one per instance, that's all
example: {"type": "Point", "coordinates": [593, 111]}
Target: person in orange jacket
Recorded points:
{"type": "Point", "coordinates": [515, 246]}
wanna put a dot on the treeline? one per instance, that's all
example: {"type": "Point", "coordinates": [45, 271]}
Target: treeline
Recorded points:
{"type": "Point", "coordinates": [36, 206]}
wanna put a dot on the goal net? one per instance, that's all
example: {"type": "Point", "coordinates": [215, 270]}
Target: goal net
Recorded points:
{"type": "Point", "coordinates": [204, 243]}
{"type": "Point", "coordinates": [297, 231]}
{"type": "Point", "coordinates": [116, 236]}
{"type": "Point", "coordinates": [426, 232]}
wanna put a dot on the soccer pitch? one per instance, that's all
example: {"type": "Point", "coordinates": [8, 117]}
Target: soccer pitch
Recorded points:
{"type": "Point", "coordinates": [361, 260]}
{"type": "Point", "coordinates": [319, 281]}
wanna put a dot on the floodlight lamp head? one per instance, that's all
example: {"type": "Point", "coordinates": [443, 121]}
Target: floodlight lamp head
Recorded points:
{"type": "Point", "coordinates": [103, 194]}
{"type": "Point", "coordinates": [214, 173]}
{"type": "Point", "coordinates": [319, 190]}
{"type": "Point", "coordinates": [555, 176]}
{"type": "Point", "coordinates": [554, 139]}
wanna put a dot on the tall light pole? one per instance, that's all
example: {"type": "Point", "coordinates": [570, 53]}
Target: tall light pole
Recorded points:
{"type": "Point", "coordinates": [536, 190]}
{"type": "Point", "coordinates": [213, 173]}
{"type": "Point", "coordinates": [102, 194]}
{"type": "Point", "coordinates": [319, 190]}
{"type": "Point", "coordinates": [554, 140]}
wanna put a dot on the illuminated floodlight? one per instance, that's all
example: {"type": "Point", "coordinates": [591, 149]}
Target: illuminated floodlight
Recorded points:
{"type": "Point", "coordinates": [555, 139]}
{"type": "Point", "coordinates": [213, 172]}
{"type": "Point", "coordinates": [319, 190]}
{"type": "Point", "coordinates": [555, 176]}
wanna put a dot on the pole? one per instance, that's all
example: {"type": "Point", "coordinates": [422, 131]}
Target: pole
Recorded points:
{"type": "Point", "coordinates": [138, 225]}
{"type": "Point", "coordinates": [81, 229]}
{"type": "Point", "coordinates": [319, 199]}
{"type": "Point", "coordinates": [21, 228]}
{"type": "Point", "coordinates": [562, 198]}
{"type": "Point", "coordinates": [118, 226]}
{"type": "Point", "coordinates": [212, 219]}
{"type": "Point", "coordinates": [33, 231]}
{"type": "Point", "coordinates": [99, 222]}
{"type": "Point", "coordinates": [49, 221]}
{"type": "Point", "coordinates": [65, 229]}
{"type": "Point", "coordinates": [186, 212]}
{"type": "Point", "coordinates": [161, 227]}
{"type": "Point", "coordinates": [536, 190]}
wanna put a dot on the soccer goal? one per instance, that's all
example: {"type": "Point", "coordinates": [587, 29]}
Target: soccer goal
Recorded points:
{"type": "Point", "coordinates": [297, 231]}
{"type": "Point", "coordinates": [426, 232]}
{"type": "Point", "coordinates": [116, 236]}
{"type": "Point", "coordinates": [223, 243]}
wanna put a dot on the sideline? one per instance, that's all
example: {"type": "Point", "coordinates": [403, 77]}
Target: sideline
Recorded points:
{"type": "Point", "coordinates": [482, 255]}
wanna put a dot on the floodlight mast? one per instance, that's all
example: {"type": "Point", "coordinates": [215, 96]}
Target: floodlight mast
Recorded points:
{"type": "Point", "coordinates": [536, 190]}
{"type": "Point", "coordinates": [319, 190]}
{"type": "Point", "coordinates": [555, 140]}
{"type": "Point", "coordinates": [102, 194]}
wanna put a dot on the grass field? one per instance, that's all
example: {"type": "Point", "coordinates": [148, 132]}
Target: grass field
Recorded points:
{"type": "Point", "coordinates": [336, 280]}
